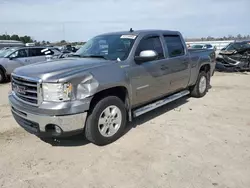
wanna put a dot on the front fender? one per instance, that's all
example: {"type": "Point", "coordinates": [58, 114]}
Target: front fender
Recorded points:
{"type": "Point", "coordinates": [112, 76]}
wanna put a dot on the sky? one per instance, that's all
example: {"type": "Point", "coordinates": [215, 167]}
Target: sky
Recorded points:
{"type": "Point", "coordinates": [79, 20]}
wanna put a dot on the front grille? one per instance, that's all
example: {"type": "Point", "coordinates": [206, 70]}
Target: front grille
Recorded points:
{"type": "Point", "coordinates": [25, 89]}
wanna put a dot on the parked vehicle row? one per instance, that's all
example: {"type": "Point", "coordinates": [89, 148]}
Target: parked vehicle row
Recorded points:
{"type": "Point", "coordinates": [111, 79]}
{"type": "Point", "coordinates": [12, 58]}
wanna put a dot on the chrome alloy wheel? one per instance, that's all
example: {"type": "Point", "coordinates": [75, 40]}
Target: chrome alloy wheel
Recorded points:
{"type": "Point", "coordinates": [110, 121]}
{"type": "Point", "coordinates": [203, 84]}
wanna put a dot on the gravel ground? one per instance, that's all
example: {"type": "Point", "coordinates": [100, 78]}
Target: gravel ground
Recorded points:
{"type": "Point", "coordinates": [196, 143]}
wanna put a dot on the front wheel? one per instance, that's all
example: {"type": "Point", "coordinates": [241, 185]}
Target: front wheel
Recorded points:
{"type": "Point", "coordinates": [106, 121]}
{"type": "Point", "coordinates": [2, 76]}
{"type": "Point", "coordinates": [202, 84]}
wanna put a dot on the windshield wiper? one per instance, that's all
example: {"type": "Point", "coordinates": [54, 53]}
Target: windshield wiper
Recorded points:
{"type": "Point", "coordinates": [94, 56]}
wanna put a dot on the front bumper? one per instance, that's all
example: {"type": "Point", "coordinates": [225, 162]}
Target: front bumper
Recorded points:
{"type": "Point", "coordinates": [222, 66]}
{"type": "Point", "coordinates": [40, 124]}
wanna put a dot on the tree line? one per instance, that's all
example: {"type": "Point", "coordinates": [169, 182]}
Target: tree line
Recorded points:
{"type": "Point", "coordinates": [229, 37]}
{"type": "Point", "coordinates": [24, 39]}
{"type": "Point", "coordinates": [28, 39]}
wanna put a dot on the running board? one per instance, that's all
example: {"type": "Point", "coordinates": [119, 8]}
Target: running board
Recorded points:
{"type": "Point", "coordinates": [159, 103]}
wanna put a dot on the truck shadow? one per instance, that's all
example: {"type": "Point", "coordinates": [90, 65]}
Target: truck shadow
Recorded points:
{"type": "Point", "coordinates": [73, 141]}
{"type": "Point", "coordinates": [155, 113]}
{"type": "Point", "coordinates": [79, 140]}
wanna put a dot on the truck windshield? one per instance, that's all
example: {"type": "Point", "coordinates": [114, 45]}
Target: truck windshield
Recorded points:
{"type": "Point", "coordinates": [6, 53]}
{"type": "Point", "coordinates": [110, 47]}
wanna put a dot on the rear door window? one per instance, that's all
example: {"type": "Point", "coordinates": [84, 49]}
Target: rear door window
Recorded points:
{"type": "Point", "coordinates": [151, 43]}
{"type": "Point", "coordinates": [46, 51]}
{"type": "Point", "coordinates": [209, 46]}
{"type": "Point", "coordinates": [174, 45]}
{"type": "Point", "coordinates": [33, 52]}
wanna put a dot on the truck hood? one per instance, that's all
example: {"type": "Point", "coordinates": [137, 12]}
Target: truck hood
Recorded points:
{"type": "Point", "coordinates": [54, 70]}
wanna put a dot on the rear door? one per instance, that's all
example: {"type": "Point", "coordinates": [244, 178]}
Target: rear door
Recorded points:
{"type": "Point", "coordinates": [146, 77]}
{"type": "Point", "coordinates": [177, 66]}
{"type": "Point", "coordinates": [39, 54]}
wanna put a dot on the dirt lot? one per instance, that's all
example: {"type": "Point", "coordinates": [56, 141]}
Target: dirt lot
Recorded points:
{"type": "Point", "coordinates": [196, 143]}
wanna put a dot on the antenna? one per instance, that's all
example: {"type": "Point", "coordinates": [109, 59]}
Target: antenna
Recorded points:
{"type": "Point", "coordinates": [131, 30]}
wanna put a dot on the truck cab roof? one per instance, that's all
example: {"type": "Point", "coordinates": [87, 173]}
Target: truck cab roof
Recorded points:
{"type": "Point", "coordinates": [144, 32]}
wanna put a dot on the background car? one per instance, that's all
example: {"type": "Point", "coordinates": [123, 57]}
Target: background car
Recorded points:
{"type": "Point", "coordinates": [12, 58]}
{"type": "Point", "coordinates": [234, 57]}
{"type": "Point", "coordinates": [202, 46]}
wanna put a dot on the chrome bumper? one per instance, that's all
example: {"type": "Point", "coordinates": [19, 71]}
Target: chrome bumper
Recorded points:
{"type": "Point", "coordinates": [36, 123]}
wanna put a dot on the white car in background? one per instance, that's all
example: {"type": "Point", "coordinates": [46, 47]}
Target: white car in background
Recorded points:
{"type": "Point", "coordinates": [203, 46]}
{"type": "Point", "coordinates": [12, 58]}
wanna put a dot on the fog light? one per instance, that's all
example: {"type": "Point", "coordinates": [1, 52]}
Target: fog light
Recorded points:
{"type": "Point", "coordinates": [58, 129]}
{"type": "Point", "coordinates": [53, 129]}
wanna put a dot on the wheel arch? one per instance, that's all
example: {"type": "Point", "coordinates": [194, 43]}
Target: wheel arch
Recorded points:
{"type": "Point", "coordinates": [205, 67]}
{"type": "Point", "coordinates": [118, 91]}
{"type": "Point", "coordinates": [4, 72]}
{"type": "Point", "coordinates": [3, 69]}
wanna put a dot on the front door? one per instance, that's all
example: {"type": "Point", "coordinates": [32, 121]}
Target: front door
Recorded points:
{"type": "Point", "coordinates": [17, 59]}
{"type": "Point", "coordinates": [146, 77]}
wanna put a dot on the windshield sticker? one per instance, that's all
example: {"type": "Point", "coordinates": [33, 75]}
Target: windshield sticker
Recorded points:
{"type": "Point", "coordinates": [128, 37]}
{"type": "Point", "coordinates": [44, 50]}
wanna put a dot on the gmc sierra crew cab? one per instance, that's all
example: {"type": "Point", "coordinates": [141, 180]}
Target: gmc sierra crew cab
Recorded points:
{"type": "Point", "coordinates": [113, 78]}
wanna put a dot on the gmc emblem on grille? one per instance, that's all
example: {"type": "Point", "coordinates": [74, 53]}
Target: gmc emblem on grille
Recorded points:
{"type": "Point", "coordinates": [19, 89]}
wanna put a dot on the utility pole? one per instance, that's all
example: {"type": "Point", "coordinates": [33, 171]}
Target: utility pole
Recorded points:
{"type": "Point", "coordinates": [63, 28]}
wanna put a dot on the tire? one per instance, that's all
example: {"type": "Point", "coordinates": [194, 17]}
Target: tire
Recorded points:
{"type": "Point", "coordinates": [202, 84]}
{"type": "Point", "coordinates": [112, 127]}
{"type": "Point", "coordinates": [2, 76]}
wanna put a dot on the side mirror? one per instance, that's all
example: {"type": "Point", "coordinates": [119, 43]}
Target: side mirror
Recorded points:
{"type": "Point", "coordinates": [13, 56]}
{"type": "Point", "coordinates": [146, 55]}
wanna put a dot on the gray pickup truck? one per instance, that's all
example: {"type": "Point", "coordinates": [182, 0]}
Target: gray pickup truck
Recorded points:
{"type": "Point", "coordinates": [111, 79]}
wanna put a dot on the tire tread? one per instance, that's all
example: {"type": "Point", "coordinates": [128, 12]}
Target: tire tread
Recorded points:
{"type": "Point", "coordinates": [95, 112]}
{"type": "Point", "coordinates": [195, 89]}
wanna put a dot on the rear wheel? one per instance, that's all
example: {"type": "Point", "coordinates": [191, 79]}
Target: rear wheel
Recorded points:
{"type": "Point", "coordinates": [201, 87]}
{"type": "Point", "coordinates": [106, 122]}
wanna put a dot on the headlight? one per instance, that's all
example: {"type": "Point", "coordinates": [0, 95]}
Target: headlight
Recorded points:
{"type": "Point", "coordinates": [57, 92]}
{"type": "Point", "coordinates": [219, 56]}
